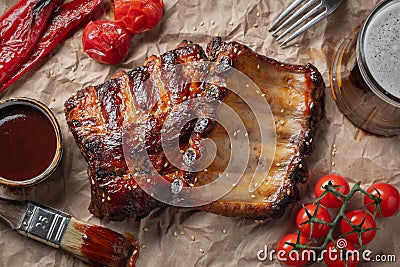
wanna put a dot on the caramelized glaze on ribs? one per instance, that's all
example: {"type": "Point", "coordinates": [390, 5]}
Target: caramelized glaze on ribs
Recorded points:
{"type": "Point", "coordinates": [97, 113]}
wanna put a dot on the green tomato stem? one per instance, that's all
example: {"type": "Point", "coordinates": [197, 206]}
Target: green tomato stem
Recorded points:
{"type": "Point", "coordinates": [341, 213]}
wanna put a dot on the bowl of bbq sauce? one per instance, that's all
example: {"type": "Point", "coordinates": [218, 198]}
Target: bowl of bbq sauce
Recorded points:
{"type": "Point", "coordinates": [30, 142]}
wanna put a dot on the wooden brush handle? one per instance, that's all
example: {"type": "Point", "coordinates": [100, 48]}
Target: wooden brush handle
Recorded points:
{"type": "Point", "coordinates": [12, 211]}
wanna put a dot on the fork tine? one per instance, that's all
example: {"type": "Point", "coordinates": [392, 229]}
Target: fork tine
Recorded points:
{"type": "Point", "coordinates": [304, 28]}
{"type": "Point", "coordinates": [300, 21]}
{"type": "Point", "coordinates": [294, 16]}
{"type": "Point", "coordinates": [285, 13]}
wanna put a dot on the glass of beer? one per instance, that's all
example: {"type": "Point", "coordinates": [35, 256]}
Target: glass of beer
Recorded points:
{"type": "Point", "coordinates": [365, 72]}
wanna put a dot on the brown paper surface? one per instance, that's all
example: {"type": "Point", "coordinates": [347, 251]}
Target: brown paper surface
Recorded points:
{"type": "Point", "coordinates": [68, 69]}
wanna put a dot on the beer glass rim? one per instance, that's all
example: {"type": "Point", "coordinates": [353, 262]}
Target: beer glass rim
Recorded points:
{"type": "Point", "coordinates": [361, 59]}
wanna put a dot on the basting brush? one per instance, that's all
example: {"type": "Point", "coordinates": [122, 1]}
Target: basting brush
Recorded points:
{"type": "Point", "coordinates": [93, 244]}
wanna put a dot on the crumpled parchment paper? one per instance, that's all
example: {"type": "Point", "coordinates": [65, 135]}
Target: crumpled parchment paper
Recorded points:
{"type": "Point", "coordinates": [68, 69]}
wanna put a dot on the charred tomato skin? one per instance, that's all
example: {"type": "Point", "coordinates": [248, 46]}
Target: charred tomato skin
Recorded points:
{"type": "Point", "coordinates": [138, 16]}
{"type": "Point", "coordinates": [105, 41]}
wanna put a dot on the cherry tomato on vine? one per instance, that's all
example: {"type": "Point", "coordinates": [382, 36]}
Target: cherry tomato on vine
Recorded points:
{"type": "Point", "coordinates": [330, 200]}
{"type": "Point", "coordinates": [105, 41]}
{"type": "Point", "coordinates": [296, 258]}
{"type": "Point", "coordinates": [318, 229]}
{"type": "Point", "coordinates": [359, 218]}
{"type": "Point", "coordinates": [390, 199]}
{"type": "Point", "coordinates": [138, 16]}
{"type": "Point", "coordinates": [346, 254]}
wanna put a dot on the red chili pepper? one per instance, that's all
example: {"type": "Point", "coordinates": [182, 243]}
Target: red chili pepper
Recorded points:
{"type": "Point", "coordinates": [20, 29]}
{"type": "Point", "coordinates": [66, 19]}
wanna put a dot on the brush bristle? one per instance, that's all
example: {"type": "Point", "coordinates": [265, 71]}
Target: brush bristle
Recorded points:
{"type": "Point", "coordinates": [72, 240]}
{"type": "Point", "coordinates": [97, 245]}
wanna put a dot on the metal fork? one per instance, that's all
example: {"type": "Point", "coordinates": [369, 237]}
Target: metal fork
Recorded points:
{"type": "Point", "coordinates": [323, 7]}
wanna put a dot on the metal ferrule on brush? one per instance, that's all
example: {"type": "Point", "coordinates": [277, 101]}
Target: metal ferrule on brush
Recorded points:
{"type": "Point", "coordinates": [44, 224]}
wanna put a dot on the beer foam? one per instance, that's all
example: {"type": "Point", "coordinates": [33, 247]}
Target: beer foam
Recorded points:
{"type": "Point", "coordinates": [382, 48]}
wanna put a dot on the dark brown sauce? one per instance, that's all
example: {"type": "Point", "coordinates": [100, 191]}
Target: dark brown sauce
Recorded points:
{"type": "Point", "coordinates": [28, 142]}
{"type": "Point", "coordinates": [104, 247]}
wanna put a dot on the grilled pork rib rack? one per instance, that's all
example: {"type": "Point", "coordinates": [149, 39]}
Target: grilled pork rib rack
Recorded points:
{"type": "Point", "coordinates": [96, 115]}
